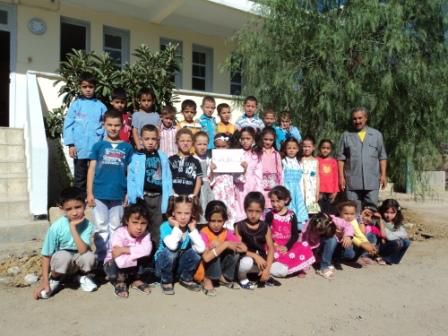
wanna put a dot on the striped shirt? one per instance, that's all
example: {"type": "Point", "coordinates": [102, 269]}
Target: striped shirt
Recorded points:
{"type": "Point", "coordinates": [168, 140]}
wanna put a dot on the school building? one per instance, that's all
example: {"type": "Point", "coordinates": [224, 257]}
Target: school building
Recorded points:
{"type": "Point", "coordinates": [35, 36]}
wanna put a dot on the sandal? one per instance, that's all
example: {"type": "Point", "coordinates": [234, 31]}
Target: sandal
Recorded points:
{"type": "Point", "coordinates": [209, 291]}
{"type": "Point", "coordinates": [190, 285]}
{"type": "Point", "coordinates": [229, 284]}
{"type": "Point", "coordinates": [142, 287]}
{"type": "Point", "coordinates": [326, 273]}
{"type": "Point", "coordinates": [380, 261]}
{"type": "Point", "coordinates": [167, 289]}
{"type": "Point", "coordinates": [120, 288]}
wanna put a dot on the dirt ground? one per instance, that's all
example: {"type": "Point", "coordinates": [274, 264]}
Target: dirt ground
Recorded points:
{"type": "Point", "coordinates": [408, 299]}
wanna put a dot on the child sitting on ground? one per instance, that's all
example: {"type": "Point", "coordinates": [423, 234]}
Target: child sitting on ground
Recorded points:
{"type": "Point", "coordinates": [129, 250]}
{"type": "Point", "coordinates": [180, 246]}
{"type": "Point", "coordinates": [66, 248]}
{"type": "Point", "coordinates": [221, 256]}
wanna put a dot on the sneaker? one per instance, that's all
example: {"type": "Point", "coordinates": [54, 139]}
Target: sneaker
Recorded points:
{"type": "Point", "coordinates": [54, 285]}
{"type": "Point", "coordinates": [87, 284]}
{"type": "Point", "coordinates": [273, 283]}
{"type": "Point", "coordinates": [248, 285]}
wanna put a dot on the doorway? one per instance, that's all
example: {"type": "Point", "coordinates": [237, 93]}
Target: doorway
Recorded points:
{"type": "Point", "coordinates": [5, 61]}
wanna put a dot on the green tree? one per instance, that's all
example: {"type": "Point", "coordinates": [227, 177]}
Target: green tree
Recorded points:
{"type": "Point", "coordinates": [319, 59]}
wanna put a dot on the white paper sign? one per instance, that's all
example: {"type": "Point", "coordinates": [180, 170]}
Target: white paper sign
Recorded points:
{"type": "Point", "coordinates": [228, 160]}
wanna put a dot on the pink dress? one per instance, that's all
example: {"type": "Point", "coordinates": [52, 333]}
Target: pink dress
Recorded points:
{"type": "Point", "coordinates": [272, 172]}
{"type": "Point", "coordinates": [224, 190]}
{"type": "Point", "coordinates": [250, 181]}
{"type": "Point", "coordinates": [299, 255]}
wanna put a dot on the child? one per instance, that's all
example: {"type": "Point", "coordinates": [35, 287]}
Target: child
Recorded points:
{"type": "Point", "coordinates": [252, 178]}
{"type": "Point", "coordinates": [285, 130]}
{"type": "Point", "coordinates": [118, 102]}
{"type": "Point", "coordinates": [189, 111]}
{"type": "Point", "coordinates": [225, 126]}
{"type": "Point", "coordinates": [106, 181]}
{"type": "Point", "coordinates": [330, 237]}
{"type": "Point", "coordinates": [222, 249]}
{"type": "Point", "coordinates": [129, 252]}
{"type": "Point", "coordinates": [370, 224]}
{"type": "Point", "coordinates": [271, 162]}
{"type": "Point", "coordinates": [396, 238]}
{"type": "Point", "coordinates": [150, 179]}
{"type": "Point", "coordinates": [83, 128]}
{"type": "Point", "coordinates": [185, 169]}
{"type": "Point", "coordinates": [269, 118]}
{"type": "Point", "coordinates": [66, 247]}
{"type": "Point", "coordinates": [180, 245]}
{"type": "Point", "coordinates": [256, 235]}
{"type": "Point", "coordinates": [347, 211]}
{"type": "Point", "coordinates": [223, 185]}
{"type": "Point", "coordinates": [145, 116]}
{"type": "Point", "coordinates": [291, 256]}
{"type": "Point", "coordinates": [168, 131]}
{"type": "Point", "coordinates": [310, 180]}
{"type": "Point", "coordinates": [328, 176]}
{"type": "Point", "coordinates": [201, 141]}
{"type": "Point", "coordinates": [292, 179]}
{"type": "Point", "coordinates": [249, 119]}
{"type": "Point", "coordinates": [207, 121]}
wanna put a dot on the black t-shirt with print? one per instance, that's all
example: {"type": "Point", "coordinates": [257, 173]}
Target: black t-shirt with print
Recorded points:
{"type": "Point", "coordinates": [184, 170]}
{"type": "Point", "coordinates": [153, 173]}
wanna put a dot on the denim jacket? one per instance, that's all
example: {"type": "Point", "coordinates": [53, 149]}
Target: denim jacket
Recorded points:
{"type": "Point", "coordinates": [136, 179]}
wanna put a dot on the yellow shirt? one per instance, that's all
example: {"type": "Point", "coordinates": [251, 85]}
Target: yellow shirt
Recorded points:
{"type": "Point", "coordinates": [358, 236]}
{"type": "Point", "coordinates": [193, 126]}
{"type": "Point", "coordinates": [223, 128]}
{"type": "Point", "coordinates": [362, 135]}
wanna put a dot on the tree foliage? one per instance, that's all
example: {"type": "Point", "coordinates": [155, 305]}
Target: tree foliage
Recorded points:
{"type": "Point", "coordinates": [319, 59]}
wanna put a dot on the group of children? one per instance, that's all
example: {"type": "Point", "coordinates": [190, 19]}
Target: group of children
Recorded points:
{"type": "Point", "coordinates": [162, 214]}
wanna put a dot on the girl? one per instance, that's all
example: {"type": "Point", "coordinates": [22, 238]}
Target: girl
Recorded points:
{"type": "Point", "coordinates": [129, 251]}
{"type": "Point", "coordinates": [180, 245]}
{"type": "Point", "coordinates": [396, 242]}
{"type": "Point", "coordinates": [222, 249]}
{"type": "Point", "coordinates": [271, 163]}
{"type": "Point", "coordinates": [292, 179]}
{"type": "Point", "coordinates": [251, 179]}
{"type": "Point", "coordinates": [329, 236]}
{"type": "Point", "coordinates": [328, 176]}
{"type": "Point", "coordinates": [185, 169]}
{"type": "Point", "coordinates": [223, 184]}
{"type": "Point", "coordinates": [310, 181]}
{"type": "Point", "coordinates": [257, 236]}
{"type": "Point", "coordinates": [200, 141]}
{"type": "Point", "coordinates": [290, 255]}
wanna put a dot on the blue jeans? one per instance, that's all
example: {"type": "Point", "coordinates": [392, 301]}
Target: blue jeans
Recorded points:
{"type": "Point", "coordinates": [171, 265]}
{"type": "Point", "coordinates": [115, 273]}
{"type": "Point", "coordinates": [393, 250]}
{"type": "Point", "coordinates": [373, 239]}
{"type": "Point", "coordinates": [330, 248]}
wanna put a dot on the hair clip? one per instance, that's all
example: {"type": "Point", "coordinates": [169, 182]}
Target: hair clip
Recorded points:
{"type": "Point", "coordinates": [223, 138]}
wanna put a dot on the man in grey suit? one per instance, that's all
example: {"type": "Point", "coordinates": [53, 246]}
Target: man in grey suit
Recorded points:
{"type": "Point", "coordinates": [362, 161]}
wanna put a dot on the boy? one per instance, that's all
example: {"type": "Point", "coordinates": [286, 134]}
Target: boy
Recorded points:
{"type": "Point", "coordinates": [269, 118]}
{"type": "Point", "coordinates": [207, 121]}
{"type": "Point", "coordinates": [285, 130]}
{"type": "Point", "coordinates": [118, 102]}
{"type": "Point", "coordinates": [145, 116]}
{"type": "Point", "coordinates": [106, 181]}
{"type": "Point", "coordinates": [168, 131]}
{"type": "Point", "coordinates": [189, 111]}
{"type": "Point", "coordinates": [249, 119]}
{"type": "Point", "coordinates": [225, 126]}
{"type": "Point", "coordinates": [150, 179]}
{"type": "Point", "coordinates": [66, 248]}
{"type": "Point", "coordinates": [83, 127]}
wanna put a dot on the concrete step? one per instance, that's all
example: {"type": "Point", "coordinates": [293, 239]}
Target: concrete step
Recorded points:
{"type": "Point", "coordinates": [11, 136]}
{"type": "Point", "coordinates": [17, 231]}
{"type": "Point", "coordinates": [15, 208]}
{"type": "Point", "coordinates": [12, 153]}
{"type": "Point", "coordinates": [13, 186]}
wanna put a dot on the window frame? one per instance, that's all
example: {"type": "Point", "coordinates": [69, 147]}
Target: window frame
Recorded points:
{"type": "Point", "coordinates": [125, 36]}
{"type": "Point", "coordinates": [75, 22]}
{"type": "Point", "coordinates": [208, 66]}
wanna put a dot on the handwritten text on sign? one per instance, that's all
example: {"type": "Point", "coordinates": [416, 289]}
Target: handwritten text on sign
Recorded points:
{"type": "Point", "coordinates": [227, 160]}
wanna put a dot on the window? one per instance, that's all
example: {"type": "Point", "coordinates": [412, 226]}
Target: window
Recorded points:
{"type": "Point", "coordinates": [202, 68]}
{"type": "Point", "coordinates": [74, 35]}
{"type": "Point", "coordinates": [3, 17]}
{"type": "Point", "coordinates": [177, 79]}
{"type": "Point", "coordinates": [235, 75]}
{"type": "Point", "coordinates": [116, 44]}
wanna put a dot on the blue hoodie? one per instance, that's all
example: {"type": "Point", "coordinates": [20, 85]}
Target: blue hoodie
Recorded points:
{"type": "Point", "coordinates": [83, 125]}
{"type": "Point", "coordinates": [281, 135]}
{"type": "Point", "coordinates": [208, 125]}
{"type": "Point", "coordinates": [136, 179]}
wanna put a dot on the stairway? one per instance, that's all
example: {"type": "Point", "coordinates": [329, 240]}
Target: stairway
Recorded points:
{"type": "Point", "coordinates": [16, 222]}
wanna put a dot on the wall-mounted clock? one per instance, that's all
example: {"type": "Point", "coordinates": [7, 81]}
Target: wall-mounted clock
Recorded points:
{"type": "Point", "coordinates": [37, 26]}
